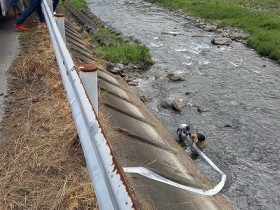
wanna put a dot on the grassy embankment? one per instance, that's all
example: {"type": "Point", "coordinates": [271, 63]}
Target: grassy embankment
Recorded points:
{"type": "Point", "coordinates": [122, 52]}
{"type": "Point", "coordinates": [258, 17]}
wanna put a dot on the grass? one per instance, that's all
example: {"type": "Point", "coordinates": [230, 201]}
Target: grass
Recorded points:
{"type": "Point", "coordinates": [79, 4]}
{"type": "Point", "coordinates": [42, 163]}
{"type": "Point", "coordinates": [121, 52]}
{"type": "Point", "coordinates": [260, 18]}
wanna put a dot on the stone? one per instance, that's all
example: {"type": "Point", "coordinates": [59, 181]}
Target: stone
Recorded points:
{"type": "Point", "coordinates": [106, 41]}
{"type": "Point", "coordinates": [167, 103]}
{"type": "Point", "coordinates": [143, 98]}
{"type": "Point", "coordinates": [178, 104]}
{"type": "Point", "coordinates": [175, 77]}
{"type": "Point", "coordinates": [115, 68]}
{"type": "Point", "coordinates": [238, 36]}
{"type": "Point", "coordinates": [201, 109]}
{"type": "Point", "coordinates": [210, 28]}
{"type": "Point", "coordinates": [133, 83]}
{"type": "Point", "coordinates": [221, 41]}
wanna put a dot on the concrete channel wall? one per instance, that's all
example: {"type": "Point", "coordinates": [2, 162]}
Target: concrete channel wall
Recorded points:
{"type": "Point", "coordinates": [138, 139]}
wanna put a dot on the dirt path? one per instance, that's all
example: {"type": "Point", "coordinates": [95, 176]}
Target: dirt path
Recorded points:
{"type": "Point", "coordinates": [9, 50]}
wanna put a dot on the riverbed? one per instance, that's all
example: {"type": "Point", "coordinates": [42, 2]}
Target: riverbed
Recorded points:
{"type": "Point", "coordinates": [237, 89]}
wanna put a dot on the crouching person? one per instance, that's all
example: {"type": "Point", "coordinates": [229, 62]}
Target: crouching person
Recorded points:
{"type": "Point", "coordinates": [200, 141]}
{"type": "Point", "coordinates": [183, 133]}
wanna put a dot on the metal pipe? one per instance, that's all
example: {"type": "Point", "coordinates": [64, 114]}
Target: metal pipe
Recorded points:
{"type": "Point", "coordinates": [88, 74]}
{"type": "Point", "coordinates": [59, 18]}
{"type": "Point", "coordinates": [5, 6]}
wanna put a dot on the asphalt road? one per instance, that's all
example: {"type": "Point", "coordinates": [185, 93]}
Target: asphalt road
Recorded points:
{"type": "Point", "coordinates": [9, 48]}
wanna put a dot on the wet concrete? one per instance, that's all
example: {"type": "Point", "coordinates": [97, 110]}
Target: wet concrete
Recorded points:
{"type": "Point", "coordinates": [9, 48]}
{"type": "Point", "coordinates": [239, 88]}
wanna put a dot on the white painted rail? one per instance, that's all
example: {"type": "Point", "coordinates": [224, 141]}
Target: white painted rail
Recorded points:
{"type": "Point", "coordinates": [106, 175]}
{"type": "Point", "coordinates": [5, 6]}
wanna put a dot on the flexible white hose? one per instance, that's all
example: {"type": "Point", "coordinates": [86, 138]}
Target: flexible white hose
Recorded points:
{"type": "Point", "coordinates": [151, 175]}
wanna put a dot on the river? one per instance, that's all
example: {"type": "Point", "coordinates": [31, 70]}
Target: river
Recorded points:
{"type": "Point", "coordinates": [239, 89]}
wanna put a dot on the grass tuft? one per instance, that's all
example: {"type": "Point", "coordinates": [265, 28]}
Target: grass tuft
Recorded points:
{"type": "Point", "coordinates": [121, 52]}
{"type": "Point", "coordinates": [79, 4]}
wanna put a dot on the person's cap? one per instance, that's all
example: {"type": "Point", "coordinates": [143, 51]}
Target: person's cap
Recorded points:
{"type": "Point", "coordinates": [182, 126]}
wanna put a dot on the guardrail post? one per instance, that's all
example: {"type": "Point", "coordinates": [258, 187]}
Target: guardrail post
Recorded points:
{"type": "Point", "coordinates": [50, 3]}
{"type": "Point", "coordinates": [88, 74]}
{"type": "Point", "coordinates": [59, 18]}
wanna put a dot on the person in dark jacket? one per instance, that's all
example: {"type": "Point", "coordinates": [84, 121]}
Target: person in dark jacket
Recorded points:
{"type": "Point", "coordinates": [200, 141]}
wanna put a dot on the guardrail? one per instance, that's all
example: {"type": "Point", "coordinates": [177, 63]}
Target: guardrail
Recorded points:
{"type": "Point", "coordinates": [106, 175]}
{"type": "Point", "coordinates": [5, 6]}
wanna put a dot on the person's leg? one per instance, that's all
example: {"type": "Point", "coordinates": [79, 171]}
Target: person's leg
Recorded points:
{"type": "Point", "coordinates": [39, 12]}
{"type": "Point", "coordinates": [55, 3]}
{"type": "Point", "coordinates": [14, 2]}
{"type": "Point", "coordinates": [179, 140]}
{"type": "Point", "coordinates": [27, 12]}
{"type": "Point", "coordinates": [201, 145]}
{"type": "Point", "coordinates": [15, 8]}
{"type": "Point", "coordinates": [194, 154]}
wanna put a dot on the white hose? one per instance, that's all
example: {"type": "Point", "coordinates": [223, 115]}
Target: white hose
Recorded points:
{"type": "Point", "coordinates": [151, 175]}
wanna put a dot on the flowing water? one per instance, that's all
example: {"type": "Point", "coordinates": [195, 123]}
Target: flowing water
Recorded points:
{"type": "Point", "coordinates": [239, 89]}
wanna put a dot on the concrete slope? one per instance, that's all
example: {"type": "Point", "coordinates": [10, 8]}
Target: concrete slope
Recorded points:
{"type": "Point", "coordinates": [139, 139]}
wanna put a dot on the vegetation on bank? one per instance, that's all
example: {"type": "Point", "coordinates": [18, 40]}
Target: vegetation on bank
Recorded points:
{"type": "Point", "coordinates": [260, 18]}
{"type": "Point", "coordinates": [79, 4]}
{"type": "Point", "coordinates": [121, 51]}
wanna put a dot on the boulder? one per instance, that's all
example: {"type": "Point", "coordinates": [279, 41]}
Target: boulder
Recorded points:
{"type": "Point", "coordinates": [175, 77]}
{"type": "Point", "coordinates": [167, 103]}
{"type": "Point", "coordinates": [178, 104]}
{"type": "Point", "coordinates": [239, 36]}
{"type": "Point", "coordinates": [221, 41]}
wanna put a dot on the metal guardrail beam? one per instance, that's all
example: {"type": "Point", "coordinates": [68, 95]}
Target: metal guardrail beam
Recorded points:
{"type": "Point", "coordinates": [5, 6]}
{"type": "Point", "coordinates": [106, 175]}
